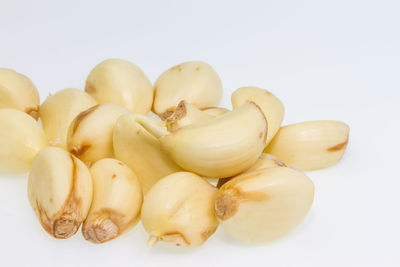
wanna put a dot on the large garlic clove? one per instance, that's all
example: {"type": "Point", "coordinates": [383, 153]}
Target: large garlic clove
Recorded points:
{"type": "Point", "coordinates": [90, 133]}
{"type": "Point", "coordinates": [310, 145]}
{"type": "Point", "coordinates": [136, 142]}
{"type": "Point", "coordinates": [117, 200]}
{"type": "Point", "coordinates": [195, 81]}
{"type": "Point", "coordinates": [179, 209]}
{"type": "Point", "coordinates": [271, 106]}
{"type": "Point", "coordinates": [186, 114]}
{"type": "Point", "coordinates": [222, 147]}
{"type": "Point", "coordinates": [263, 162]}
{"type": "Point", "coordinates": [21, 138]}
{"type": "Point", "coordinates": [263, 205]}
{"type": "Point", "coordinates": [60, 191]}
{"type": "Point", "coordinates": [58, 111]}
{"type": "Point", "coordinates": [18, 92]}
{"type": "Point", "coordinates": [120, 82]}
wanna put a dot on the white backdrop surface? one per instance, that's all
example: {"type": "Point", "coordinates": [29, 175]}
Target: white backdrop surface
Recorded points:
{"type": "Point", "coordinates": [324, 59]}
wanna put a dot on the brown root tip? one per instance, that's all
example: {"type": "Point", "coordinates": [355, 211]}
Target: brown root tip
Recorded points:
{"type": "Point", "coordinates": [100, 233]}
{"type": "Point", "coordinates": [163, 116]}
{"type": "Point", "coordinates": [64, 228]}
{"type": "Point", "coordinates": [152, 241]}
{"type": "Point", "coordinates": [225, 207]}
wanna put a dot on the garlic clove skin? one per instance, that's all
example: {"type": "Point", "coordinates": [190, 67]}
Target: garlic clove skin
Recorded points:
{"type": "Point", "coordinates": [117, 200]}
{"type": "Point", "coordinates": [136, 142]}
{"type": "Point", "coordinates": [272, 107]}
{"type": "Point", "coordinates": [310, 145]}
{"type": "Point", "coordinates": [91, 132]}
{"type": "Point", "coordinates": [21, 138]}
{"type": "Point", "coordinates": [120, 82]}
{"type": "Point", "coordinates": [263, 205]}
{"type": "Point", "coordinates": [222, 147]}
{"type": "Point", "coordinates": [179, 210]}
{"type": "Point", "coordinates": [18, 92]}
{"type": "Point", "coordinates": [60, 191]}
{"type": "Point", "coordinates": [59, 110]}
{"type": "Point", "coordinates": [194, 81]}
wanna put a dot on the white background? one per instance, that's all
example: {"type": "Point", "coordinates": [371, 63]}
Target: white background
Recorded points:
{"type": "Point", "coordinates": [324, 59]}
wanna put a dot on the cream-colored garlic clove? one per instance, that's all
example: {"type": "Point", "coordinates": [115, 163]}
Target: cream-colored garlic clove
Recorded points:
{"type": "Point", "coordinates": [60, 191]}
{"type": "Point", "coordinates": [186, 114]}
{"type": "Point", "coordinates": [21, 138]}
{"type": "Point", "coordinates": [120, 82]}
{"type": "Point", "coordinates": [263, 162]}
{"type": "Point", "coordinates": [264, 205]}
{"type": "Point", "coordinates": [222, 147]}
{"type": "Point", "coordinates": [18, 92]}
{"type": "Point", "coordinates": [117, 200]}
{"type": "Point", "coordinates": [58, 111]}
{"type": "Point", "coordinates": [195, 81]}
{"type": "Point", "coordinates": [310, 145]}
{"type": "Point", "coordinates": [271, 106]}
{"type": "Point", "coordinates": [179, 209]}
{"type": "Point", "coordinates": [91, 132]}
{"type": "Point", "coordinates": [136, 142]}
{"type": "Point", "coordinates": [215, 111]}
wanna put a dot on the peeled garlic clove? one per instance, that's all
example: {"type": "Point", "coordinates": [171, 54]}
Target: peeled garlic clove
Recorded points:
{"type": "Point", "coordinates": [117, 199]}
{"type": "Point", "coordinates": [21, 138]}
{"type": "Point", "coordinates": [263, 162]}
{"type": "Point", "coordinates": [215, 111]}
{"type": "Point", "coordinates": [222, 147]}
{"type": "Point", "coordinates": [120, 82]}
{"type": "Point", "coordinates": [90, 133]}
{"type": "Point", "coordinates": [18, 92]}
{"type": "Point", "coordinates": [186, 114]}
{"type": "Point", "coordinates": [60, 191]}
{"type": "Point", "coordinates": [310, 145]}
{"type": "Point", "coordinates": [271, 106]}
{"type": "Point", "coordinates": [179, 209]}
{"type": "Point", "coordinates": [195, 81]}
{"type": "Point", "coordinates": [58, 111]}
{"type": "Point", "coordinates": [263, 205]}
{"type": "Point", "coordinates": [136, 142]}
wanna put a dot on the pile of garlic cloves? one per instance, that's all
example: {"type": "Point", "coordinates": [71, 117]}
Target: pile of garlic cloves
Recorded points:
{"type": "Point", "coordinates": [95, 159]}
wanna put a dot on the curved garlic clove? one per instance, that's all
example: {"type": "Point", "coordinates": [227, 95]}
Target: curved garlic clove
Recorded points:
{"type": "Point", "coordinates": [21, 138]}
{"type": "Point", "coordinates": [310, 145]}
{"type": "Point", "coordinates": [60, 191]}
{"type": "Point", "coordinates": [263, 205]}
{"type": "Point", "coordinates": [120, 82]}
{"type": "Point", "coordinates": [90, 133]}
{"type": "Point", "coordinates": [18, 92]}
{"type": "Point", "coordinates": [117, 200]}
{"type": "Point", "coordinates": [58, 111]}
{"type": "Point", "coordinates": [222, 147]}
{"type": "Point", "coordinates": [179, 210]}
{"type": "Point", "coordinates": [195, 81]}
{"type": "Point", "coordinates": [263, 162]}
{"type": "Point", "coordinates": [271, 106]}
{"type": "Point", "coordinates": [136, 142]}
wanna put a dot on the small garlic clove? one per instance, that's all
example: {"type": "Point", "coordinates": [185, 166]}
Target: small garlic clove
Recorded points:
{"type": "Point", "coordinates": [195, 81]}
{"type": "Point", "coordinates": [120, 82]}
{"type": "Point", "coordinates": [117, 200]}
{"type": "Point", "coordinates": [263, 162]}
{"type": "Point", "coordinates": [18, 92]}
{"type": "Point", "coordinates": [90, 133]}
{"type": "Point", "coordinates": [21, 138]}
{"type": "Point", "coordinates": [60, 191]}
{"type": "Point", "coordinates": [221, 147]}
{"type": "Point", "coordinates": [271, 106]}
{"type": "Point", "coordinates": [179, 210]}
{"type": "Point", "coordinates": [136, 142]}
{"type": "Point", "coordinates": [310, 145]}
{"type": "Point", "coordinates": [264, 205]}
{"type": "Point", "coordinates": [58, 111]}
